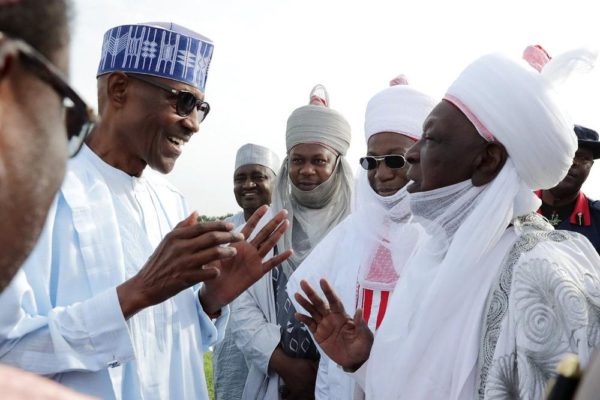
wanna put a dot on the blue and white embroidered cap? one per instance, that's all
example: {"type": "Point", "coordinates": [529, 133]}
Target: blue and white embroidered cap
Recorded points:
{"type": "Point", "coordinates": [162, 49]}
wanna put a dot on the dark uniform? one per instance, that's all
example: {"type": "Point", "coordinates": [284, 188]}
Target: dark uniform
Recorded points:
{"type": "Point", "coordinates": [582, 216]}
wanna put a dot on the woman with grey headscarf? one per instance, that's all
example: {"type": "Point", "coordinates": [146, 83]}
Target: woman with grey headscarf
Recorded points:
{"type": "Point", "coordinates": [314, 186]}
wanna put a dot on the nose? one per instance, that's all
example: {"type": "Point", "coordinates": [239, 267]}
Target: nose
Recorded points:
{"type": "Point", "coordinates": [383, 172]}
{"type": "Point", "coordinates": [190, 122]}
{"type": "Point", "coordinates": [412, 155]}
{"type": "Point", "coordinates": [248, 184]}
{"type": "Point", "coordinates": [307, 169]}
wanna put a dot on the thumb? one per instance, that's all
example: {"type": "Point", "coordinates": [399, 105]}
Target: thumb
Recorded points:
{"type": "Point", "coordinates": [189, 221]}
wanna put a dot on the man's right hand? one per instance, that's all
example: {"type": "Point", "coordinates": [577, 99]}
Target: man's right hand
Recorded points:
{"type": "Point", "coordinates": [177, 263]}
{"type": "Point", "coordinates": [346, 340]}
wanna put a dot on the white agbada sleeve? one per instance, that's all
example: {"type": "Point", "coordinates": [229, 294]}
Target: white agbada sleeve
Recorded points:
{"type": "Point", "coordinates": [88, 335]}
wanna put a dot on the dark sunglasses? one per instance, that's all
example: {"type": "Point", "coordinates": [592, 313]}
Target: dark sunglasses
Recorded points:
{"type": "Point", "coordinates": [186, 101]}
{"type": "Point", "coordinates": [393, 161]}
{"type": "Point", "coordinates": [79, 117]}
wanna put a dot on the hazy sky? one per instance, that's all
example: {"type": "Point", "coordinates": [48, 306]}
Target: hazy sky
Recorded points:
{"type": "Point", "coordinates": [270, 53]}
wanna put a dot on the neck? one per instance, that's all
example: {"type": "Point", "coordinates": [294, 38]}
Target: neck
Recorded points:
{"type": "Point", "coordinates": [248, 213]}
{"type": "Point", "coordinates": [110, 146]}
{"type": "Point", "coordinates": [558, 200]}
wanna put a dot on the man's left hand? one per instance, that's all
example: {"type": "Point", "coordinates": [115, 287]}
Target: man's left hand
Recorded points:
{"type": "Point", "coordinates": [238, 273]}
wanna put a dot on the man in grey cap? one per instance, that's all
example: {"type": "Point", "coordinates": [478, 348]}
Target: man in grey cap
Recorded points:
{"type": "Point", "coordinates": [110, 302]}
{"type": "Point", "coordinates": [314, 185]}
{"type": "Point", "coordinates": [253, 179]}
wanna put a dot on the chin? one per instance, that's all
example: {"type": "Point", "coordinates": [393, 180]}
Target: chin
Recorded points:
{"type": "Point", "coordinates": [413, 187]}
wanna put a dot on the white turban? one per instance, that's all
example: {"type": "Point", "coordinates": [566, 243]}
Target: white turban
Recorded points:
{"type": "Point", "coordinates": [508, 101]}
{"type": "Point", "coordinates": [399, 108]}
{"type": "Point", "coordinates": [255, 154]}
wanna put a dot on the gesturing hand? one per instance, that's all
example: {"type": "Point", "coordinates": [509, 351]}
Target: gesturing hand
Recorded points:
{"type": "Point", "coordinates": [346, 340]}
{"type": "Point", "coordinates": [238, 273]}
{"type": "Point", "coordinates": [178, 263]}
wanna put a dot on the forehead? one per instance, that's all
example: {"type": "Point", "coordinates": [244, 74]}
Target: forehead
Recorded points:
{"type": "Point", "coordinates": [308, 150]}
{"type": "Point", "coordinates": [389, 141]}
{"type": "Point", "coordinates": [249, 169]}
{"type": "Point", "coordinates": [583, 151]}
{"type": "Point", "coordinates": [447, 120]}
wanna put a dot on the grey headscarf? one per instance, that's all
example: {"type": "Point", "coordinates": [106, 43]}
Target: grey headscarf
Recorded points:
{"type": "Point", "coordinates": [312, 214]}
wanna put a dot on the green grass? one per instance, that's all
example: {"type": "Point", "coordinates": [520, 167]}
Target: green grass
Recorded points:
{"type": "Point", "coordinates": [208, 372]}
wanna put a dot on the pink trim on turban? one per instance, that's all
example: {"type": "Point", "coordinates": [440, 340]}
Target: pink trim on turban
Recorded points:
{"type": "Point", "coordinates": [536, 56]}
{"type": "Point", "coordinates": [483, 131]}
{"type": "Point", "coordinates": [399, 80]}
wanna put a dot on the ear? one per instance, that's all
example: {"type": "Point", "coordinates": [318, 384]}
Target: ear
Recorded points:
{"type": "Point", "coordinates": [488, 163]}
{"type": "Point", "coordinates": [117, 85]}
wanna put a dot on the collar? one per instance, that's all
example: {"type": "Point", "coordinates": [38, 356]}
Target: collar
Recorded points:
{"type": "Point", "coordinates": [581, 212]}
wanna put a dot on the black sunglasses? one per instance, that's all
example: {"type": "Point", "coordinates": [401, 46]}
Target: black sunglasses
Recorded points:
{"type": "Point", "coordinates": [79, 117]}
{"type": "Point", "coordinates": [186, 101]}
{"type": "Point", "coordinates": [393, 161]}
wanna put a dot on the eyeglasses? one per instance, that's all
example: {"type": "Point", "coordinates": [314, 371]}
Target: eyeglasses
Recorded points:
{"type": "Point", "coordinates": [79, 117]}
{"type": "Point", "coordinates": [393, 161]}
{"type": "Point", "coordinates": [186, 101]}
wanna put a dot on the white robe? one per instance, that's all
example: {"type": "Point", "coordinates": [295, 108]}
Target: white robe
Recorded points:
{"type": "Point", "coordinates": [544, 303]}
{"type": "Point", "coordinates": [230, 369]}
{"type": "Point", "coordinates": [61, 315]}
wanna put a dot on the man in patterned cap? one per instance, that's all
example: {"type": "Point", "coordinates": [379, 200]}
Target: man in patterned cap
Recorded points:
{"type": "Point", "coordinates": [253, 180]}
{"type": "Point", "coordinates": [493, 296]}
{"type": "Point", "coordinates": [109, 303]}
{"type": "Point", "coordinates": [314, 185]}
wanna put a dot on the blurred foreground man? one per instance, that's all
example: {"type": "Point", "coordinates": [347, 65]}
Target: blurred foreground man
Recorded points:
{"type": "Point", "coordinates": [35, 141]}
{"type": "Point", "coordinates": [493, 296]}
{"type": "Point", "coordinates": [109, 302]}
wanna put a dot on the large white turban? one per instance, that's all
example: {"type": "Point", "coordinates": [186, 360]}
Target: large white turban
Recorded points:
{"type": "Point", "coordinates": [508, 101]}
{"type": "Point", "coordinates": [255, 154]}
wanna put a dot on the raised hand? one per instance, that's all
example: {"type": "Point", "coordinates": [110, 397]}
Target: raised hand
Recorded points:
{"type": "Point", "coordinates": [238, 273]}
{"type": "Point", "coordinates": [346, 340]}
{"type": "Point", "coordinates": [178, 263]}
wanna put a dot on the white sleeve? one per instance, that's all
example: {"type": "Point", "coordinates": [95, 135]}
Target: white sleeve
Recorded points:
{"type": "Point", "coordinates": [253, 334]}
{"type": "Point", "coordinates": [37, 336]}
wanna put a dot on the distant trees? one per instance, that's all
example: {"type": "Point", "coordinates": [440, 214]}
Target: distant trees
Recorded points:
{"type": "Point", "coordinates": [207, 218]}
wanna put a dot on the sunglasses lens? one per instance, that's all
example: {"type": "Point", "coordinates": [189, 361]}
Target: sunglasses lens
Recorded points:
{"type": "Point", "coordinates": [203, 110]}
{"type": "Point", "coordinates": [186, 102]}
{"type": "Point", "coordinates": [368, 163]}
{"type": "Point", "coordinates": [395, 161]}
{"type": "Point", "coordinates": [78, 127]}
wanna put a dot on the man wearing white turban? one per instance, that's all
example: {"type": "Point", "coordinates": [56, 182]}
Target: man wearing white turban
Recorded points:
{"type": "Point", "coordinates": [365, 273]}
{"type": "Point", "coordinates": [253, 179]}
{"type": "Point", "coordinates": [493, 297]}
{"type": "Point", "coordinates": [314, 185]}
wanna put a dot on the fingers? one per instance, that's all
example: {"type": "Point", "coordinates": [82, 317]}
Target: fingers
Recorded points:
{"type": "Point", "coordinates": [358, 317]}
{"type": "Point", "coordinates": [253, 221]}
{"type": "Point", "coordinates": [190, 220]}
{"type": "Point", "coordinates": [275, 261]}
{"type": "Point", "coordinates": [209, 240]}
{"type": "Point", "coordinates": [269, 229]}
{"type": "Point", "coordinates": [335, 304]}
{"type": "Point", "coordinates": [207, 256]}
{"type": "Point", "coordinates": [197, 229]}
{"type": "Point", "coordinates": [308, 321]}
{"type": "Point", "coordinates": [265, 247]}
{"type": "Point", "coordinates": [320, 306]}
{"type": "Point", "coordinates": [307, 305]}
